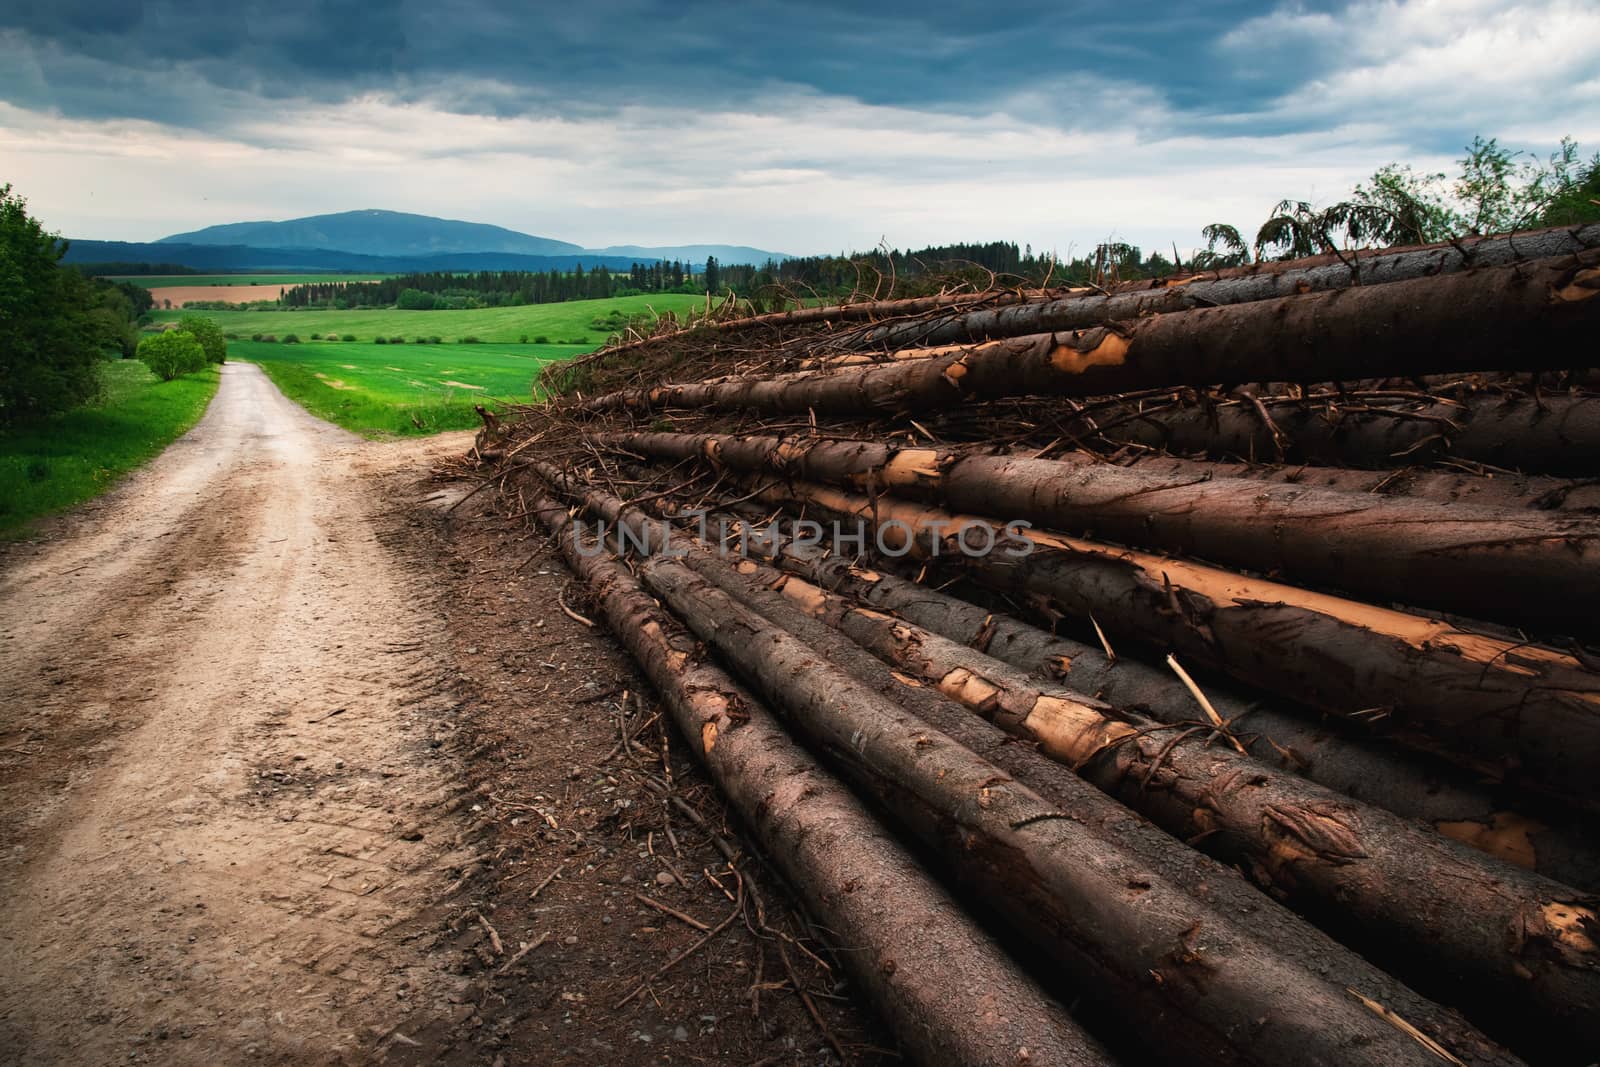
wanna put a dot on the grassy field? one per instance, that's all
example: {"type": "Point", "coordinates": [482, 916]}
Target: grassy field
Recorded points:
{"type": "Point", "coordinates": [395, 390]}
{"type": "Point", "coordinates": [54, 463]}
{"type": "Point", "coordinates": [165, 281]}
{"type": "Point", "coordinates": [557, 322]}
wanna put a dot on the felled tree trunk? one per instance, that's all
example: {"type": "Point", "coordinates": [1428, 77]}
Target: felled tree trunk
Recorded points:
{"type": "Point", "coordinates": [1537, 571]}
{"type": "Point", "coordinates": [912, 948]}
{"type": "Point", "coordinates": [1552, 435]}
{"type": "Point", "coordinates": [1524, 317]}
{"type": "Point", "coordinates": [1112, 921]}
{"type": "Point", "coordinates": [1495, 705]}
{"type": "Point", "coordinates": [1361, 871]}
{"type": "Point", "coordinates": [1457, 805]}
{"type": "Point", "coordinates": [1493, 490]}
{"type": "Point", "coordinates": [1261, 281]}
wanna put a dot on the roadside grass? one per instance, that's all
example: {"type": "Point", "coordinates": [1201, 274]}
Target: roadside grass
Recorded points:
{"type": "Point", "coordinates": [401, 390]}
{"type": "Point", "coordinates": [47, 465]}
{"type": "Point", "coordinates": [558, 323]}
{"type": "Point", "coordinates": [170, 281]}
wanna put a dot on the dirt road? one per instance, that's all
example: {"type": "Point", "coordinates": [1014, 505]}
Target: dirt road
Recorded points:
{"type": "Point", "coordinates": [224, 794]}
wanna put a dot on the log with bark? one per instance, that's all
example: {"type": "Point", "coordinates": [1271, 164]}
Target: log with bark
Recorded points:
{"type": "Point", "coordinates": [1485, 488]}
{"type": "Point", "coordinates": [1261, 281]}
{"type": "Point", "coordinates": [1422, 904]}
{"type": "Point", "coordinates": [912, 948]}
{"type": "Point", "coordinates": [1537, 571]}
{"type": "Point", "coordinates": [1498, 706]}
{"type": "Point", "coordinates": [1007, 840]}
{"type": "Point", "coordinates": [1530, 316]}
{"type": "Point", "coordinates": [1453, 803]}
{"type": "Point", "coordinates": [1557, 435]}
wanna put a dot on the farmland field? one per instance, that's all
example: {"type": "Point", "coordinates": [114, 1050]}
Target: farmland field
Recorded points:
{"type": "Point", "coordinates": [53, 463]}
{"type": "Point", "coordinates": [566, 322]}
{"type": "Point", "coordinates": [390, 390]}
{"type": "Point", "coordinates": [163, 281]}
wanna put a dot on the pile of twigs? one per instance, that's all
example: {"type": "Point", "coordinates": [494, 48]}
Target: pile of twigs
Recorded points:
{"type": "Point", "coordinates": [1019, 626]}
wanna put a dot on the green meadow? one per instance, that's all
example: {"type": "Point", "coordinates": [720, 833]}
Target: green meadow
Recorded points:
{"type": "Point", "coordinates": [568, 322]}
{"type": "Point", "coordinates": [400, 390]}
{"type": "Point", "coordinates": [49, 464]}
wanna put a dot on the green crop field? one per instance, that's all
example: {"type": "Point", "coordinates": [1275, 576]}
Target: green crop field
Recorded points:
{"type": "Point", "coordinates": [391, 390]}
{"type": "Point", "coordinates": [567, 322]}
{"type": "Point", "coordinates": [50, 464]}
{"type": "Point", "coordinates": [167, 281]}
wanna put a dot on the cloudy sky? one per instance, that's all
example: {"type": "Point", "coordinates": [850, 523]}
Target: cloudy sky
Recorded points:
{"type": "Point", "coordinates": [802, 127]}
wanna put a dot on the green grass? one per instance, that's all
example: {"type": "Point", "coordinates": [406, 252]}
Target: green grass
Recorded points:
{"type": "Point", "coordinates": [164, 281]}
{"type": "Point", "coordinates": [50, 464]}
{"type": "Point", "coordinates": [559, 322]}
{"type": "Point", "coordinates": [400, 390]}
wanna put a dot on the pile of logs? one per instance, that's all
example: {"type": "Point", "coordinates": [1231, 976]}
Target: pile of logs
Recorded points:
{"type": "Point", "coordinates": [1215, 656]}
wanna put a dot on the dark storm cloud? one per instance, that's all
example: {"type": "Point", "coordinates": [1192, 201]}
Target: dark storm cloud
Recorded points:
{"type": "Point", "coordinates": [161, 59]}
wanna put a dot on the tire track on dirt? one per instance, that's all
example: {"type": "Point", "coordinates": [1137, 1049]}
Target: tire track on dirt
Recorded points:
{"type": "Point", "coordinates": [226, 807]}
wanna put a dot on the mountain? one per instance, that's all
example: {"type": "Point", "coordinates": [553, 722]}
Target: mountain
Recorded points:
{"type": "Point", "coordinates": [243, 258]}
{"type": "Point", "coordinates": [726, 254]}
{"type": "Point", "coordinates": [377, 233]}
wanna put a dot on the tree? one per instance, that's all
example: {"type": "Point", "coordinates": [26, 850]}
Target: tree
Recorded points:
{"type": "Point", "coordinates": [171, 354]}
{"type": "Point", "coordinates": [415, 300]}
{"type": "Point", "coordinates": [713, 278]}
{"type": "Point", "coordinates": [209, 334]}
{"type": "Point", "coordinates": [51, 340]}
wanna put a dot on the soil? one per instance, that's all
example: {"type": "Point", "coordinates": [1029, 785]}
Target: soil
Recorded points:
{"type": "Point", "coordinates": [181, 295]}
{"type": "Point", "coordinates": [302, 760]}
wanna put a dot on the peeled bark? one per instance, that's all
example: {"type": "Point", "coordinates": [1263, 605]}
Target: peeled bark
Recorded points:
{"type": "Point", "coordinates": [1551, 435]}
{"type": "Point", "coordinates": [1537, 571]}
{"type": "Point", "coordinates": [1496, 706]}
{"type": "Point", "coordinates": [1532, 316]}
{"type": "Point", "coordinates": [1261, 281]}
{"type": "Point", "coordinates": [912, 948]}
{"type": "Point", "coordinates": [1081, 910]}
{"type": "Point", "coordinates": [1457, 805]}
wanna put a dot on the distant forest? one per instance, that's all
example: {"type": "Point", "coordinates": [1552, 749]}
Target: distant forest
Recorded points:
{"type": "Point", "coordinates": [1495, 190]}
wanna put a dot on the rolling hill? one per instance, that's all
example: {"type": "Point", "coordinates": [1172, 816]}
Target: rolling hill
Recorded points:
{"type": "Point", "coordinates": [372, 232]}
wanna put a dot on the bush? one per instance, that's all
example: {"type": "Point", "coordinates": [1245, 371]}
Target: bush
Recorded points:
{"type": "Point", "coordinates": [209, 334]}
{"type": "Point", "coordinates": [291, 339]}
{"type": "Point", "coordinates": [255, 337]}
{"type": "Point", "coordinates": [380, 340]}
{"type": "Point", "coordinates": [469, 341]}
{"type": "Point", "coordinates": [397, 340]}
{"type": "Point", "coordinates": [170, 354]}
{"type": "Point", "coordinates": [348, 337]}
{"type": "Point", "coordinates": [541, 340]}
{"type": "Point", "coordinates": [522, 340]}
{"type": "Point", "coordinates": [419, 341]}
{"type": "Point", "coordinates": [435, 340]}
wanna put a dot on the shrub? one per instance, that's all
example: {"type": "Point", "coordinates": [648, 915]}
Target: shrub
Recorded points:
{"type": "Point", "coordinates": [522, 340]}
{"type": "Point", "coordinates": [420, 341]}
{"type": "Point", "coordinates": [209, 334]}
{"type": "Point", "coordinates": [380, 340]}
{"type": "Point", "coordinates": [291, 339]}
{"type": "Point", "coordinates": [469, 341]}
{"type": "Point", "coordinates": [269, 338]}
{"type": "Point", "coordinates": [435, 340]}
{"type": "Point", "coordinates": [397, 340]}
{"type": "Point", "coordinates": [348, 337]}
{"type": "Point", "coordinates": [255, 337]}
{"type": "Point", "coordinates": [541, 340]}
{"type": "Point", "coordinates": [170, 354]}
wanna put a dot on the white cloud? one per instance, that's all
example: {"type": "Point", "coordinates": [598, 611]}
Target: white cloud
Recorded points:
{"type": "Point", "coordinates": [1495, 67]}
